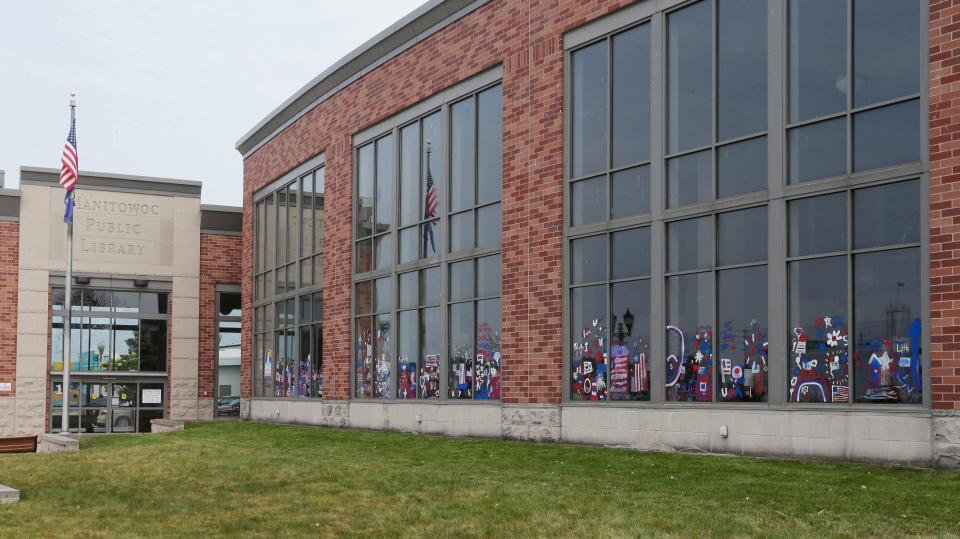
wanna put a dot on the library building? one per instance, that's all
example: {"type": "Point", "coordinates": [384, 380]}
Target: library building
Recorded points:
{"type": "Point", "coordinates": [155, 325]}
{"type": "Point", "coordinates": [724, 226]}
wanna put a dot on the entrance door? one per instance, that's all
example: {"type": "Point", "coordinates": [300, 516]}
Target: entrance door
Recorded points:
{"type": "Point", "coordinates": [123, 407]}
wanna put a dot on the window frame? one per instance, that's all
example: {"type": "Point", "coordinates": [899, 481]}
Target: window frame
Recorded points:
{"type": "Point", "coordinates": [264, 306]}
{"type": "Point", "coordinates": [775, 197]}
{"type": "Point", "coordinates": [442, 103]}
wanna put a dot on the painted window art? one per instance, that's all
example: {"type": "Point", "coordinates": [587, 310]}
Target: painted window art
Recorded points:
{"type": "Point", "coordinates": [882, 257]}
{"type": "Point", "coordinates": [610, 345]}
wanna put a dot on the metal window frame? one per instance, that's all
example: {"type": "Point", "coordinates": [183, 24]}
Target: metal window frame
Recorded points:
{"type": "Point", "coordinates": [778, 192]}
{"type": "Point", "coordinates": [439, 103]}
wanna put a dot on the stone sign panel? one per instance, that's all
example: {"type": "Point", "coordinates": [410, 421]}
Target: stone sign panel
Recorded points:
{"type": "Point", "coordinates": [115, 227]}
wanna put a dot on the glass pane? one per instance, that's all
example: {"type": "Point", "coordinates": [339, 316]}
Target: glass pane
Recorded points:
{"type": "Point", "coordinates": [58, 299]}
{"type": "Point", "coordinates": [461, 280]}
{"type": "Point", "coordinates": [318, 307]}
{"type": "Point", "coordinates": [56, 344]}
{"type": "Point", "coordinates": [318, 270]}
{"type": "Point", "coordinates": [126, 346]}
{"type": "Point", "coordinates": [410, 174]}
{"type": "Point", "coordinates": [488, 276]}
{"type": "Point", "coordinates": [282, 241]}
{"type": "Point", "coordinates": [588, 202]}
{"type": "Point", "coordinates": [690, 244]}
{"type": "Point", "coordinates": [431, 344]}
{"type": "Point", "coordinates": [153, 345]}
{"type": "Point", "coordinates": [631, 96]}
{"type": "Point", "coordinates": [461, 231]}
{"type": "Point", "coordinates": [365, 173]}
{"type": "Point", "coordinates": [741, 68]}
{"type": "Point", "coordinates": [383, 251]}
{"type": "Point", "coordinates": [742, 168]}
{"type": "Point", "coordinates": [385, 184]}
{"type": "Point", "coordinates": [305, 305]}
{"type": "Point", "coordinates": [126, 302]}
{"type": "Point", "coordinates": [306, 272]}
{"type": "Point", "coordinates": [818, 224]}
{"type": "Point", "coordinates": [588, 324]}
{"type": "Point", "coordinates": [630, 192]}
{"type": "Point", "coordinates": [631, 253]}
{"type": "Point", "coordinates": [409, 245]}
{"type": "Point", "coordinates": [429, 238]}
{"type": "Point", "coordinates": [305, 374]}
{"type": "Point", "coordinates": [306, 215]}
{"type": "Point", "coordinates": [269, 362]}
{"type": "Point", "coordinates": [689, 77]}
{"type": "Point", "coordinates": [887, 311]}
{"type": "Point", "coordinates": [462, 157]}
{"type": "Point", "coordinates": [383, 295]}
{"type": "Point", "coordinates": [488, 225]}
{"type": "Point", "coordinates": [229, 303]}
{"type": "Point", "coordinates": [364, 256]}
{"type": "Point", "coordinates": [96, 300]}
{"type": "Point", "coordinates": [408, 290]}
{"type": "Point", "coordinates": [742, 317]}
{"type": "Point", "coordinates": [886, 215]}
{"type": "Point", "coordinates": [270, 243]}
{"type": "Point", "coordinates": [486, 367]}
{"type": "Point", "coordinates": [268, 282]}
{"type": "Point", "coordinates": [742, 236]}
{"type": "Point", "coordinates": [151, 395]}
{"type": "Point", "coordinates": [818, 316]}
{"type": "Point", "coordinates": [383, 359]}
{"type": "Point", "coordinates": [886, 50]}
{"type": "Point", "coordinates": [430, 286]}
{"type": "Point", "coordinates": [589, 110]}
{"type": "Point", "coordinates": [318, 226]}
{"type": "Point", "coordinates": [818, 58]}
{"type": "Point", "coordinates": [886, 136]}
{"type": "Point", "coordinates": [96, 350]}
{"type": "Point", "coordinates": [818, 150]}
{"type": "Point", "coordinates": [588, 259]}
{"type": "Point", "coordinates": [364, 299]}
{"type": "Point", "coordinates": [689, 361]}
{"type": "Point", "coordinates": [489, 144]}
{"type": "Point", "coordinates": [281, 280]}
{"type": "Point", "coordinates": [461, 351]}
{"type": "Point", "coordinates": [689, 179]}
{"type": "Point", "coordinates": [292, 226]}
{"type": "Point", "coordinates": [408, 350]}
{"type": "Point", "coordinates": [364, 355]}
{"type": "Point", "coordinates": [258, 235]}
{"type": "Point", "coordinates": [630, 352]}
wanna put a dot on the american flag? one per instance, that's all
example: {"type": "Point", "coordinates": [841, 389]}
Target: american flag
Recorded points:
{"type": "Point", "coordinates": [68, 170]}
{"type": "Point", "coordinates": [431, 202]}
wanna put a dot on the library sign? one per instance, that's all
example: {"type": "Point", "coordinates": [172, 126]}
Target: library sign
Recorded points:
{"type": "Point", "coordinates": [118, 227]}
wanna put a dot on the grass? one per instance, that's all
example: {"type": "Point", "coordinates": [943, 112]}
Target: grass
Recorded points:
{"type": "Point", "coordinates": [250, 479]}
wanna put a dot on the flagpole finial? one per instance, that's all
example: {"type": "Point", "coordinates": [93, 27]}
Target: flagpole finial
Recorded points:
{"type": "Point", "coordinates": [73, 99]}
{"type": "Point", "coordinates": [428, 146]}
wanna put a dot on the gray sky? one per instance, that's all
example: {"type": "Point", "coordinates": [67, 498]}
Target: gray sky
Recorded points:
{"type": "Point", "coordinates": [164, 87]}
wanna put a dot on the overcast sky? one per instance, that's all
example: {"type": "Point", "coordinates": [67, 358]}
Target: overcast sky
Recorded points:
{"type": "Point", "coordinates": [164, 87]}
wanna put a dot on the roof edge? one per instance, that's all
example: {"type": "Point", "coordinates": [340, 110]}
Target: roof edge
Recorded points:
{"type": "Point", "coordinates": [113, 182]}
{"type": "Point", "coordinates": [415, 26]}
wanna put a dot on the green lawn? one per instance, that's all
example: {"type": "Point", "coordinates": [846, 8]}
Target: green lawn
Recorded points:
{"type": "Point", "coordinates": [249, 479]}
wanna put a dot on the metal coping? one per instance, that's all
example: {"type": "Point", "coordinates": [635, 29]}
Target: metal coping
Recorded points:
{"type": "Point", "coordinates": [224, 220]}
{"type": "Point", "coordinates": [124, 183]}
{"type": "Point", "coordinates": [416, 26]}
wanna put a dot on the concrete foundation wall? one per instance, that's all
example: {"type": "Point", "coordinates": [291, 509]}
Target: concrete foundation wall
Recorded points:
{"type": "Point", "coordinates": [916, 437]}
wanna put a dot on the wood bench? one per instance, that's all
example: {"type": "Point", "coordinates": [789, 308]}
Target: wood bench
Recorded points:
{"type": "Point", "coordinates": [19, 444]}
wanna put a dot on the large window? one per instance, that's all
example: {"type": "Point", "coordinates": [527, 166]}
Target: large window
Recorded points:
{"type": "Point", "coordinates": [781, 251]}
{"type": "Point", "coordinates": [228, 354]}
{"type": "Point", "coordinates": [112, 331]}
{"type": "Point", "coordinates": [430, 186]}
{"type": "Point", "coordinates": [288, 268]}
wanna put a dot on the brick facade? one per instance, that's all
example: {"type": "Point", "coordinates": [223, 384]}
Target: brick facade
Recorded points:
{"type": "Point", "coordinates": [525, 37]}
{"type": "Point", "coordinates": [945, 203]}
{"type": "Point", "coordinates": [9, 260]}
{"type": "Point", "coordinates": [219, 264]}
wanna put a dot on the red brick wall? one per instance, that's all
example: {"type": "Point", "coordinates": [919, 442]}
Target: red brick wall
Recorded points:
{"type": "Point", "coordinates": [9, 263]}
{"type": "Point", "coordinates": [219, 264]}
{"type": "Point", "coordinates": [945, 203]}
{"type": "Point", "coordinates": [525, 37]}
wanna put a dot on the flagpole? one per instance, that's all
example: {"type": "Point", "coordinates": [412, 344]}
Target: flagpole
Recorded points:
{"type": "Point", "coordinates": [68, 300]}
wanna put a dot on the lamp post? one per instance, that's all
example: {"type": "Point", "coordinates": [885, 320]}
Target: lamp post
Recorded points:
{"type": "Point", "coordinates": [619, 333]}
